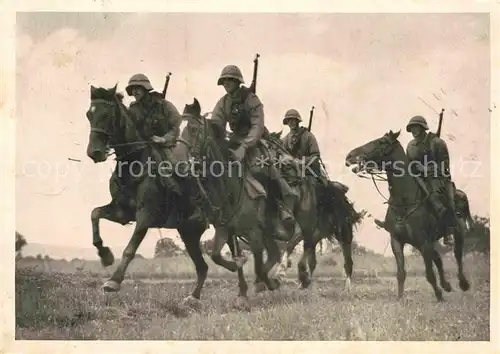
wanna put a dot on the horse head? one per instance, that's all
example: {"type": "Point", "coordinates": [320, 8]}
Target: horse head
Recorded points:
{"type": "Point", "coordinates": [106, 125]}
{"type": "Point", "coordinates": [200, 130]}
{"type": "Point", "coordinates": [379, 154]}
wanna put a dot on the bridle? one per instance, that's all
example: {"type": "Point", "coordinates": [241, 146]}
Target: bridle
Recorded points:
{"type": "Point", "coordinates": [379, 152]}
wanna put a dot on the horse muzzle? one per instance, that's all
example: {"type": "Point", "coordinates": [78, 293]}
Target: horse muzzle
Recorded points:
{"type": "Point", "coordinates": [97, 155]}
{"type": "Point", "coordinates": [355, 164]}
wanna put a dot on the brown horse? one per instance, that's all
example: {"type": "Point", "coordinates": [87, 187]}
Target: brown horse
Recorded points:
{"type": "Point", "coordinates": [409, 219]}
{"type": "Point", "coordinates": [143, 200]}
{"type": "Point", "coordinates": [336, 218]}
{"type": "Point", "coordinates": [238, 207]}
{"type": "Point", "coordinates": [328, 228]}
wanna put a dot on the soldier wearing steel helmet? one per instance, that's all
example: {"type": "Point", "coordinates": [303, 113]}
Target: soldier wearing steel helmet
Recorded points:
{"type": "Point", "coordinates": [302, 143]}
{"type": "Point", "coordinates": [244, 112]}
{"type": "Point", "coordinates": [430, 160]}
{"type": "Point", "coordinates": [157, 119]}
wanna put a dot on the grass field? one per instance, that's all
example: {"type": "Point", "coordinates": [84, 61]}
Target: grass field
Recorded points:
{"type": "Point", "coordinates": [62, 300]}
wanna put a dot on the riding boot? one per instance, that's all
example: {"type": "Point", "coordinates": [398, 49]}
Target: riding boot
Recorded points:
{"type": "Point", "coordinates": [439, 208]}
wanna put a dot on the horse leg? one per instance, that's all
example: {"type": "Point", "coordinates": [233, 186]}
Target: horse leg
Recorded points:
{"type": "Point", "coordinates": [241, 302]}
{"type": "Point", "coordinates": [397, 250]}
{"type": "Point", "coordinates": [191, 232]}
{"type": "Point", "coordinates": [111, 212]}
{"type": "Point", "coordinates": [144, 220]}
{"type": "Point", "coordinates": [221, 237]}
{"type": "Point", "coordinates": [290, 246]}
{"type": "Point", "coordinates": [312, 260]}
{"type": "Point", "coordinates": [272, 265]}
{"type": "Point", "coordinates": [458, 250]}
{"type": "Point", "coordinates": [348, 263]}
{"type": "Point", "coordinates": [442, 278]}
{"type": "Point", "coordinates": [428, 254]}
{"type": "Point", "coordinates": [304, 276]}
{"type": "Point", "coordinates": [259, 285]}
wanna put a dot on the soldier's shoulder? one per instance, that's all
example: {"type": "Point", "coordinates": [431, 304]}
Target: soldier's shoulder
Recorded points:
{"type": "Point", "coordinates": [412, 143]}
{"type": "Point", "coordinates": [308, 133]}
{"type": "Point", "coordinates": [249, 95]}
{"type": "Point", "coordinates": [158, 97]}
{"type": "Point", "coordinates": [437, 141]}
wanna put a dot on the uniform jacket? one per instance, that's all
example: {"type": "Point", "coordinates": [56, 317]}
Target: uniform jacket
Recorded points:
{"type": "Point", "coordinates": [157, 117]}
{"type": "Point", "coordinates": [301, 143]}
{"type": "Point", "coordinates": [431, 149]}
{"type": "Point", "coordinates": [251, 110]}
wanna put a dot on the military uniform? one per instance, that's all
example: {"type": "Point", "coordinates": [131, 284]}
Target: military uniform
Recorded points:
{"type": "Point", "coordinates": [303, 144]}
{"type": "Point", "coordinates": [244, 113]}
{"type": "Point", "coordinates": [155, 116]}
{"type": "Point", "coordinates": [430, 160]}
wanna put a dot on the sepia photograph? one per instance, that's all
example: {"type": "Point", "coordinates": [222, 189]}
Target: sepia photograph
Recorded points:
{"type": "Point", "coordinates": [253, 176]}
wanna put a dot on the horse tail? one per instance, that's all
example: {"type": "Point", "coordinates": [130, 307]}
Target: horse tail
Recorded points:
{"type": "Point", "coordinates": [463, 204]}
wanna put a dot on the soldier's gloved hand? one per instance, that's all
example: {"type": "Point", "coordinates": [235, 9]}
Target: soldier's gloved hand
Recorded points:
{"type": "Point", "coordinates": [158, 139]}
{"type": "Point", "coordinates": [239, 153]}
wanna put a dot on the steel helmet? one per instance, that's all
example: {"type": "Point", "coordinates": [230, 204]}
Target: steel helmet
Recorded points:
{"type": "Point", "coordinates": [138, 80]}
{"type": "Point", "coordinates": [230, 72]}
{"type": "Point", "coordinates": [417, 120]}
{"type": "Point", "coordinates": [291, 114]}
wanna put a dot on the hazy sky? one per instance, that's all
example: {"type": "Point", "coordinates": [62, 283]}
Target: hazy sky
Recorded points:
{"type": "Point", "coordinates": [365, 73]}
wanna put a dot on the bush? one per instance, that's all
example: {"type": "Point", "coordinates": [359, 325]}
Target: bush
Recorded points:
{"type": "Point", "coordinates": [478, 237]}
{"type": "Point", "coordinates": [166, 247]}
{"type": "Point", "coordinates": [20, 242]}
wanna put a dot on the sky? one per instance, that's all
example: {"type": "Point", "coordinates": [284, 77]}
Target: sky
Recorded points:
{"type": "Point", "coordinates": [366, 74]}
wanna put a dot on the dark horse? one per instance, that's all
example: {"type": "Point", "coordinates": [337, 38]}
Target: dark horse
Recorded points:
{"type": "Point", "coordinates": [244, 206]}
{"type": "Point", "coordinates": [409, 219]}
{"type": "Point", "coordinates": [336, 218]}
{"type": "Point", "coordinates": [145, 201]}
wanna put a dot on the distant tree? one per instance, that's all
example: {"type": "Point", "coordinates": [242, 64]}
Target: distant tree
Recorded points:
{"type": "Point", "coordinates": [165, 247]}
{"type": "Point", "coordinates": [20, 242]}
{"type": "Point", "coordinates": [208, 245]}
{"type": "Point", "coordinates": [39, 257]}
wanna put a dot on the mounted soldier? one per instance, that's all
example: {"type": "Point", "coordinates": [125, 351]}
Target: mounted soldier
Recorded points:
{"type": "Point", "coordinates": [302, 144]}
{"type": "Point", "coordinates": [244, 112]}
{"type": "Point", "coordinates": [158, 121]}
{"type": "Point", "coordinates": [430, 160]}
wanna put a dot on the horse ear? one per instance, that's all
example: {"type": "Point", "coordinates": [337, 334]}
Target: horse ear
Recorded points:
{"type": "Point", "coordinates": [92, 89]}
{"type": "Point", "coordinates": [113, 89]}
{"type": "Point", "coordinates": [196, 104]}
{"type": "Point", "coordinates": [394, 135]}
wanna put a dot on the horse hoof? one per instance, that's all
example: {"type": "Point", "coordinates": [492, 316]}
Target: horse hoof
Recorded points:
{"type": "Point", "coordinates": [260, 287]}
{"type": "Point", "coordinates": [464, 285]}
{"type": "Point", "coordinates": [446, 286]}
{"type": "Point", "coordinates": [347, 286]}
{"type": "Point", "coordinates": [439, 297]}
{"type": "Point", "coordinates": [106, 256]}
{"type": "Point", "coordinates": [305, 281]}
{"type": "Point", "coordinates": [242, 304]}
{"type": "Point", "coordinates": [192, 302]}
{"type": "Point", "coordinates": [111, 286]}
{"type": "Point", "coordinates": [274, 284]}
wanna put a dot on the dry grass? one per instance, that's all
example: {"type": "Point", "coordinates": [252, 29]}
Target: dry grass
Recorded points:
{"type": "Point", "coordinates": [53, 303]}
